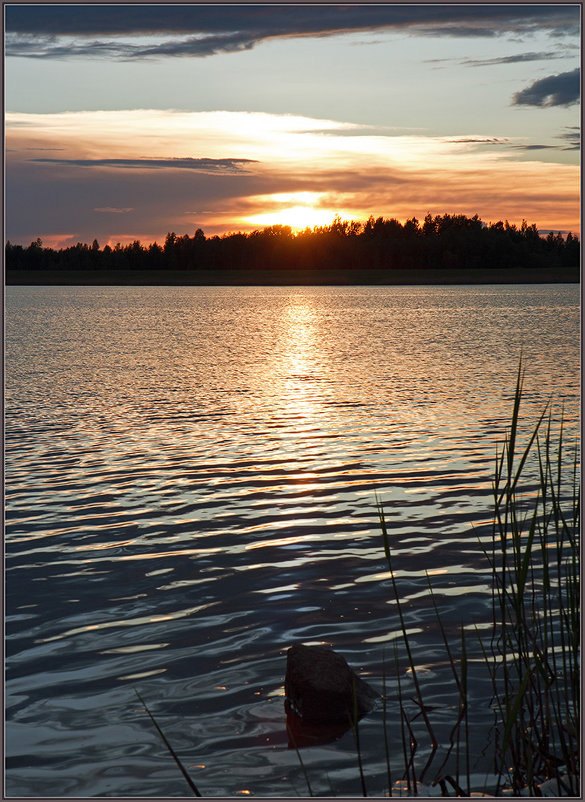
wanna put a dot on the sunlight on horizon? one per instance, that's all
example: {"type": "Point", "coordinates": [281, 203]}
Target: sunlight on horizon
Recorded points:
{"type": "Point", "coordinates": [297, 217]}
{"type": "Point", "coordinates": [304, 213]}
{"type": "Point", "coordinates": [390, 175]}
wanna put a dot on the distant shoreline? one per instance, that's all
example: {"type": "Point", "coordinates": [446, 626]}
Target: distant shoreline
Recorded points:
{"type": "Point", "coordinates": [229, 278]}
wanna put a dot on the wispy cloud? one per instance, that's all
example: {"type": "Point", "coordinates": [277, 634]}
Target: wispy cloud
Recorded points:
{"type": "Point", "coordinates": [517, 58]}
{"type": "Point", "coordinates": [225, 166]}
{"type": "Point", "coordinates": [389, 174]}
{"type": "Point", "coordinates": [554, 90]}
{"type": "Point", "coordinates": [40, 47]}
{"type": "Point", "coordinates": [481, 140]}
{"type": "Point", "coordinates": [70, 31]}
{"type": "Point", "coordinates": [573, 137]}
{"type": "Point", "coordinates": [534, 146]}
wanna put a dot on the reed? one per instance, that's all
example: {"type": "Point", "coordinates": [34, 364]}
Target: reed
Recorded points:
{"type": "Point", "coordinates": [170, 749]}
{"type": "Point", "coordinates": [300, 759]}
{"type": "Point", "coordinates": [532, 655]}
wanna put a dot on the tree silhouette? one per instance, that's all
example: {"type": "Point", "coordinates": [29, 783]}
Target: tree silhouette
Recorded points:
{"type": "Point", "coordinates": [344, 251]}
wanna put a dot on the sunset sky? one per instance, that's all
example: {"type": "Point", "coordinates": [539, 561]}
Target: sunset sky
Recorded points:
{"type": "Point", "coordinates": [126, 122]}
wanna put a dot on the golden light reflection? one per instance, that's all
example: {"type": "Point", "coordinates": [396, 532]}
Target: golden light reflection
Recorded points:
{"type": "Point", "coordinates": [393, 635]}
{"type": "Point", "coordinates": [143, 674]}
{"type": "Point", "coordinates": [299, 352]}
{"type": "Point", "coordinates": [281, 541]}
{"type": "Point", "coordinates": [140, 647]}
{"type": "Point", "coordinates": [117, 544]}
{"type": "Point", "coordinates": [126, 622]}
{"type": "Point", "coordinates": [280, 589]}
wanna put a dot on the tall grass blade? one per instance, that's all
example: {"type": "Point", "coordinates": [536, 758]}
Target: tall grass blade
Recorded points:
{"type": "Point", "coordinates": [423, 710]}
{"type": "Point", "coordinates": [302, 765]}
{"type": "Point", "coordinates": [356, 734]}
{"type": "Point", "coordinates": [385, 726]}
{"type": "Point", "coordinates": [172, 752]}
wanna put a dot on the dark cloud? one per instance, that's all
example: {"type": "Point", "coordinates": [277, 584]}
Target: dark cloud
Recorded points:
{"type": "Point", "coordinates": [49, 47]}
{"type": "Point", "coordinates": [46, 203]}
{"type": "Point", "coordinates": [533, 147]}
{"type": "Point", "coordinates": [224, 166]}
{"type": "Point", "coordinates": [573, 137]}
{"type": "Point", "coordinates": [493, 140]}
{"type": "Point", "coordinates": [554, 90]}
{"type": "Point", "coordinates": [516, 59]}
{"type": "Point", "coordinates": [33, 30]}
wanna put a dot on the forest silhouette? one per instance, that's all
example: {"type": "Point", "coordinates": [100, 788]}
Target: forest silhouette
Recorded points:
{"type": "Point", "coordinates": [347, 252]}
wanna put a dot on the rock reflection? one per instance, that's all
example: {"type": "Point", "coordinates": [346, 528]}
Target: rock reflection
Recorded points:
{"type": "Point", "coordinates": [301, 734]}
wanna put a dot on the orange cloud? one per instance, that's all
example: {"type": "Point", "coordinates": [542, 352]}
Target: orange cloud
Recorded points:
{"type": "Point", "coordinates": [123, 175]}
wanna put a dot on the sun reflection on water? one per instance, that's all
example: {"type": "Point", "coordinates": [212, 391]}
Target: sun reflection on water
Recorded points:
{"type": "Point", "coordinates": [299, 357]}
{"type": "Point", "coordinates": [199, 511]}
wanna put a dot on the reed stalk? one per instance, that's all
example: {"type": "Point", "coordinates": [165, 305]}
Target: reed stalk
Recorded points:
{"type": "Point", "coordinates": [356, 735]}
{"type": "Point", "coordinates": [419, 696]}
{"type": "Point", "coordinates": [300, 759]}
{"type": "Point", "coordinates": [385, 727]}
{"type": "Point", "coordinates": [532, 656]}
{"type": "Point", "coordinates": [534, 650]}
{"type": "Point", "coordinates": [172, 752]}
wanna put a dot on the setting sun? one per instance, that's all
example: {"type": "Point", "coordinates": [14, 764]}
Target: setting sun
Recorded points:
{"type": "Point", "coordinates": [297, 217]}
{"type": "Point", "coordinates": [299, 210]}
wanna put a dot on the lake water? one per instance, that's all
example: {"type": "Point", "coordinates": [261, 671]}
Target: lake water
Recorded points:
{"type": "Point", "coordinates": [191, 478]}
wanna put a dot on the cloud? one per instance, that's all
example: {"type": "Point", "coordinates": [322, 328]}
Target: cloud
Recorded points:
{"type": "Point", "coordinates": [573, 136]}
{"type": "Point", "coordinates": [482, 140]}
{"type": "Point", "coordinates": [224, 166]}
{"type": "Point", "coordinates": [177, 201]}
{"type": "Point", "coordinates": [518, 58]}
{"type": "Point", "coordinates": [554, 90]}
{"type": "Point", "coordinates": [40, 47]}
{"type": "Point", "coordinates": [34, 31]}
{"type": "Point", "coordinates": [533, 147]}
{"type": "Point", "coordinates": [105, 176]}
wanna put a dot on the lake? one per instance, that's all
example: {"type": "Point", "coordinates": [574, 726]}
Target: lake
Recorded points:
{"type": "Point", "coordinates": [191, 482]}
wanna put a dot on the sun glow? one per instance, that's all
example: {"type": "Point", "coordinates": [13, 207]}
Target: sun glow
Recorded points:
{"type": "Point", "coordinates": [297, 217]}
{"type": "Point", "coordinates": [386, 173]}
{"type": "Point", "coordinates": [299, 210]}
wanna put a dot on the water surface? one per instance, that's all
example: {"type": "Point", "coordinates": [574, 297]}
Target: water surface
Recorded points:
{"type": "Point", "coordinates": [191, 479]}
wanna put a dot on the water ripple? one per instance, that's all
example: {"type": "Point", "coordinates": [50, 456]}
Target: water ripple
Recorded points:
{"type": "Point", "coordinates": [187, 499]}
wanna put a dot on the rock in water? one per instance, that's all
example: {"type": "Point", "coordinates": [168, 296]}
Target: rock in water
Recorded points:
{"type": "Point", "coordinates": [320, 686]}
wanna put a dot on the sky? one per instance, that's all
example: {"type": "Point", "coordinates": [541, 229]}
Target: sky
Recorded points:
{"type": "Point", "coordinates": [125, 122]}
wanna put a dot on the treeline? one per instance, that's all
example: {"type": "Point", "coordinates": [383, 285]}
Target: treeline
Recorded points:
{"type": "Point", "coordinates": [346, 248]}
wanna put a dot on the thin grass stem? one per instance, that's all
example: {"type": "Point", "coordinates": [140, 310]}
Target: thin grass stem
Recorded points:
{"type": "Point", "coordinates": [172, 752]}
